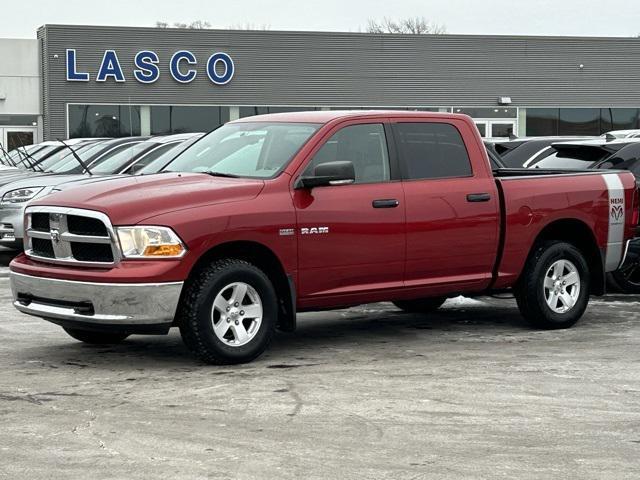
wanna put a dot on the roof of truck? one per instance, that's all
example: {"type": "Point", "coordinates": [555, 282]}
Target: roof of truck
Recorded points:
{"type": "Point", "coordinates": [326, 116]}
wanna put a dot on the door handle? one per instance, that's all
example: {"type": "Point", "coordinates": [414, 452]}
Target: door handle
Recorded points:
{"type": "Point", "coordinates": [478, 197]}
{"type": "Point", "coordinates": [387, 203]}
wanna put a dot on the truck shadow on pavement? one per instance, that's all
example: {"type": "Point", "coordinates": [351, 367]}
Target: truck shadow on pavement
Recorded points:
{"type": "Point", "coordinates": [368, 331]}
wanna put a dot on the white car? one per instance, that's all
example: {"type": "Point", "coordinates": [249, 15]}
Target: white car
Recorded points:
{"type": "Point", "coordinates": [622, 133]}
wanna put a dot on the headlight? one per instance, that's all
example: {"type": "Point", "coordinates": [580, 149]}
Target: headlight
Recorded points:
{"type": "Point", "coordinates": [20, 195]}
{"type": "Point", "coordinates": [150, 242]}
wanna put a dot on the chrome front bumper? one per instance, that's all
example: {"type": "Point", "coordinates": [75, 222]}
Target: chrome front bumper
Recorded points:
{"type": "Point", "coordinates": [86, 305]}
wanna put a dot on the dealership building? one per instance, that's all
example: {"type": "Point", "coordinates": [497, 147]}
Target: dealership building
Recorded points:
{"type": "Point", "coordinates": [81, 81]}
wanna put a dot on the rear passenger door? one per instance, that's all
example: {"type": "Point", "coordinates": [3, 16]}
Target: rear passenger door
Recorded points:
{"type": "Point", "coordinates": [451, 206]}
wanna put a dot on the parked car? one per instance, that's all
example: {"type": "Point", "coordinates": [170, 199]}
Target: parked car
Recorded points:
{"type": "Point", "coordinates": [517, 153]}
{"type": "Point", "coordinates": [17, 158]}
{"type": "Point", "coordinates": [112, 157]}
{"type": "Point", "coordinates": [275, 214]}
{"type": "Point", "coordinates": [39, 162]}
{"type": "Point", "coordinates": [633, 133]}
{"type": "Point", "coordinates": [578, 154]}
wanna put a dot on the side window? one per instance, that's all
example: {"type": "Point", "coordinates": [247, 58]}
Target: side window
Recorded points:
{"type": "Point", "coordinates": [363, 145]}
{"type": "Point", "coordinates": [432, 150]}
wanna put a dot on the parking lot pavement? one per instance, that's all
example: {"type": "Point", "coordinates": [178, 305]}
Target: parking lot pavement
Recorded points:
{"type": "Point", "coordinates": [369, 392]}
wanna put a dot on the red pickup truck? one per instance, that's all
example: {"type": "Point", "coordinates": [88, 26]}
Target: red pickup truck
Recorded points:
{"type": "Point", "coordinates": [273, 215]}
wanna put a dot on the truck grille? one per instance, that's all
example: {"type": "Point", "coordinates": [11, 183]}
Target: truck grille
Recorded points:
{"type": "Point", "coordinates": [70, 236]}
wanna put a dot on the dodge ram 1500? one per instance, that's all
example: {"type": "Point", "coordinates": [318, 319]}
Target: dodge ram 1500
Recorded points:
{"type": "Point", "coordinates": [277, 214]}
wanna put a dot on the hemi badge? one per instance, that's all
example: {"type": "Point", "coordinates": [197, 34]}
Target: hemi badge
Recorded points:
{"type": "Point", "coordinates": [287, 232]}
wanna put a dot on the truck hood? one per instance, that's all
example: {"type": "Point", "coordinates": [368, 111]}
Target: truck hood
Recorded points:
{"type": "Point", "coordinates": [130, 200]}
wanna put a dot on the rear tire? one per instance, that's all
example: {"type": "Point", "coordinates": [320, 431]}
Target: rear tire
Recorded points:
{"type": "Point", "coordinates": [228, 313]}
{"type": "Point", "coordinates": [96, 338]}
{"type": "Point", "coordinates": [422, 305]}
{"type": "Point", "coordinates": [553, 292]}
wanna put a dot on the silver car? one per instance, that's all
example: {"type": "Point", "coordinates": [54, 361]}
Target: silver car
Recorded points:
{"type": "Point", "coordinates": [16, 196]}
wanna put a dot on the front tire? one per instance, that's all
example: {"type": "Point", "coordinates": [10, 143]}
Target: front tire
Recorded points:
{"type": "Point", "coordinates": [422, 305]}
{"type": "Point", "coordinates": [97, 338]}
{"type": "Point", "coordinates": [228, 313]}
{"type": "Point", "coordinates": [553, 291]}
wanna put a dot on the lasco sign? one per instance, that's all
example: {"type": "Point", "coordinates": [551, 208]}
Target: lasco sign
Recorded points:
{"type": "Point", "coordinates": [219, 67]}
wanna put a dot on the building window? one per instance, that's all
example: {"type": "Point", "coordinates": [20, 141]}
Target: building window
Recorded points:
{"type": "Point", "coordinates": [251, 111]}
{"type": "Point", "coordinates": [186, 119]}
{"type": "Point", "coordinates": [104, 120]}
{"type": "Point", "coordinates": [619, 119]}
{"type": "Point", "coordinates": [580, 121]}
{"type": "Point", "coordinates": [19, 120]}
{"type": "Point", "coordinates": [542, 121]}
{"type": "Point", "coordinates": [495, 112]}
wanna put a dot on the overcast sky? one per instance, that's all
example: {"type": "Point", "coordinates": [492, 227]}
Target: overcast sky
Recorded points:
{"type": "Point", "coordinates": [20, 19]}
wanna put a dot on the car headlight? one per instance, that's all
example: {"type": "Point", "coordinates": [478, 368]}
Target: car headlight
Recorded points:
{"type": "Point", "coordinates": [150, 242]}
{"type": "Point", "coordinates": [20, 195]}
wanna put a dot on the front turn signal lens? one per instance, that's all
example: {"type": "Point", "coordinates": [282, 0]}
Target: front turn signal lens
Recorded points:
{"type": "Point", "coordinates": [163, 251]}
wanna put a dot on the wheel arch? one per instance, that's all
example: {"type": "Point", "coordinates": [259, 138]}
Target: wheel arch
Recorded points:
{"type": "Point", "coordinates": [577, 233]}
{"type": "Point", "coordinates": [265, 259]}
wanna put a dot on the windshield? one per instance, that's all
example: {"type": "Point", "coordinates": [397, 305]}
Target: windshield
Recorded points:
{"type": "Point", "coordinates": [52, 163]}
{"type": "Point", "coordinates": [157, 164]}
{"type": "Point", "coordinates": [252, 149]}
{"type": "Point", "coordinates": [43, 152]}
{"type": "Point", "coordinates": [115, 162]}
{"type": "Point", "coordinates": [69, 162]}
{"type": "Point", "coordinates": [151, 156]}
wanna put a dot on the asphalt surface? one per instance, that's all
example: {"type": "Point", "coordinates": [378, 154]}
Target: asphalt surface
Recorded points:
{"type": "Point", "coordinates": [364, 393]}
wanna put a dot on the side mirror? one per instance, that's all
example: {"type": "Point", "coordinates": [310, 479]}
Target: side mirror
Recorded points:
{"type": "Point", "coordinates": [328, 174]}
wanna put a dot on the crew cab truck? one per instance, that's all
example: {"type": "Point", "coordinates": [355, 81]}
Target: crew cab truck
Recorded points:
{"type": "Point", "coordinates": [273, 215]}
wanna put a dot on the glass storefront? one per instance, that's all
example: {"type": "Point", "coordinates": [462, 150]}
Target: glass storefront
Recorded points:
{"type": "Point", "coordinates": [186, 119]}
{"type": "Point", "coordinates": [580, 121]}
{"type": "Point", "coordinates": [133, 120]}
{"type": "Point", "coordinates": [104, 121]}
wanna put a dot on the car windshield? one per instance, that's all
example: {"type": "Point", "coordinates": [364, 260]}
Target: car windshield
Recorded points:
{"type": "Point", "coordinates": [53, 163]}
{"type": "Point", "coordinates": [114, 163]}
{"type": "Point", "coordinates": [69, 164]}
{"type": "Point", "coordinates": [246, 149]}
{"type": "Point", "coordinates": [44, 151]}
{"type": "Point", "coordinates": [150, 157]}
{"type": "Point", "coordinates": [157, 164]}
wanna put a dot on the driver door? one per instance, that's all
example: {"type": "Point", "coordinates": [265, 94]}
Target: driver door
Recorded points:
{"type": "Point", "coordinates": [351, 238]}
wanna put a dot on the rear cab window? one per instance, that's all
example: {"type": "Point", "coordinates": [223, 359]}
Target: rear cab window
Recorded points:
{"type": "Point", "coordinates": [430, 150]}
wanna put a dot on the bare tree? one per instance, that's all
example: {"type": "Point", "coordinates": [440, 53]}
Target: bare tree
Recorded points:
{"type": "Point", "coordinates": [411, 25]}
{"type": "Point", "coordinates": [195, 25]}
{"type": "Point", "coordinates": [249, 26]}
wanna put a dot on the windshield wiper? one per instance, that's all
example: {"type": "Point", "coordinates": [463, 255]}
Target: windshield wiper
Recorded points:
{"type": "Point", "coordinates": [8, 161]}
{"type": "Point", "coordinates": [75, 155]}
{"type": "Point", "coordinates": [32, 161]}
{"type": "Point", "coordinates": [221, 174]}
